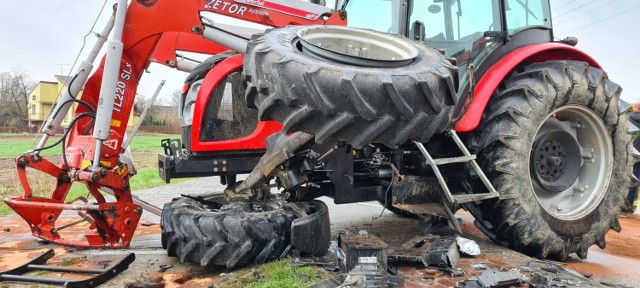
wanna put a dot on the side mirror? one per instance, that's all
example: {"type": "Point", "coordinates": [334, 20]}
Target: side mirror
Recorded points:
{"type": "Point", "coordinates": [419, 32]}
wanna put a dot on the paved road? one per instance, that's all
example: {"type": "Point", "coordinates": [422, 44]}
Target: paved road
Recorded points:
{"type": "Point", "coordinates": [353, 217]}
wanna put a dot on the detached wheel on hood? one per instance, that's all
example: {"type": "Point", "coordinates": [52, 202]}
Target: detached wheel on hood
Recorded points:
{"type": "Point", "coordinates": [348, 84]}
{"type": "Point", "coordinates": [555, 144]}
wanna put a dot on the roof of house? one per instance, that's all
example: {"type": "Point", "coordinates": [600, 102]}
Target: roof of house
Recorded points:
{"type": "Point", "coordinates": [64, 79]}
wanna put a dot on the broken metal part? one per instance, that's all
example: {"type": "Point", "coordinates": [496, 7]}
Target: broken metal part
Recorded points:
{"type": "Point", "coordinates": [362, 276]}
{"type": "Point", "coordinates": [329, 266]}
{"type": "Point", "coordinates": [429, 250]}
{"type": "Point", "coordinates": [444, 252]}
{"type": "Point", "coordinates": [538, 281]}
{"type": "Point", "coordinates": [280, 148]}
{"type": "Point", "coordinates": [361, 249]}
{"type": "Point", "coordinates": [454, 272]}
{"type": "Point", "coordinates": [468, 284]}
{"type": "Point", "coordinates": [468, 246]}
{"type": "Point", "coordinates": [37, 264]}
{"type": "Point", "coordinates": [492, 278]}
{"type": "Point", "coordinates": [153, 209]}
{"type": "Point", "coordinates": [429, 224]}
{"type": "Point", "coordinates": [453, 221]}
{"type": "Point", "coordinates": [312, 234]}
{"type": "Point", "coordinates": [164, 267]}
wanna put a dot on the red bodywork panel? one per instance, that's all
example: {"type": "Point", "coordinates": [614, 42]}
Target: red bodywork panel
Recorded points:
{"type": "Point", "coordinates": [254, 141]}
{"type": "Point", "coordinates": [494, 76]}
{"type": "Point", "coordinates": [153, 31]}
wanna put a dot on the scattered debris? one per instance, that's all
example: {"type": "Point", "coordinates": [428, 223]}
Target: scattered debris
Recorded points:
{"type": "Point", "coordinates": [362, 275]}
{"type": "Point", "coordinates": [334, 282]}
{"type": "Point", "coordinates": [363, 259]}
{"type": "Point", "coordinates": [491, 278]}
{"type": "Point", "coordinates": [454, 272]}
{"type": "Point", "coordinates": [38, 264]}
{"type": "Point", "coordinates": [538, 281]}
{"type": "Point", "coordinates": [480, 266]}
{"type": "Point", "coordinates": [468, 284]}
{"type": "Point", "coordinates": [6, 229]}
{"type": "Point", "coordinates": [148, 224]}
{"type": "Point", "coordinates": [157, 282]}
{"type": "Point", "coordinates": [329, 266]}
{"type": "Point", "coordinates": [550, 270]}
{"type": "Point", "coordinates": [165, 267]}
{"type": "Point", "coordinates": [468, 246]}
{"type": "Point", "coordinates": [429, 250]}
{"type": "Point", "coordinates": [363, 248]}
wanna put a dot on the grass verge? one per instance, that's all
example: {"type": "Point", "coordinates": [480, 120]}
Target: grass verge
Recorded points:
{"type": "Point", "coordinates": [274, 275]}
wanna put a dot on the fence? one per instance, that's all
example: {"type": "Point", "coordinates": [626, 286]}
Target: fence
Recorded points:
{"type": "Point", "coordinates": [17, 129]}
{"type": "Point", "coordinates": [161, 129]}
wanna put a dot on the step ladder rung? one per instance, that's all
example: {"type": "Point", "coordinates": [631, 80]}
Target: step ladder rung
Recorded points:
{"type": "Point", "coordinates": [461, 159]}
{"type": "Point", "coordinates": [465, 198]}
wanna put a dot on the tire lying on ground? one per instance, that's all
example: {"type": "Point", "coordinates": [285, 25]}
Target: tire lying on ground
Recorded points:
{"type": "Point", "coordinates": [554, 142]}
{"type": "Point", "coordinates": [215, 233]}
{"type": "Point", "coordinates": [356, 99]}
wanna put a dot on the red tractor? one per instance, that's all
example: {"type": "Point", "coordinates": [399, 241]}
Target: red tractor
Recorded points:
{"type": "Point", "coordinates": [438, 105]}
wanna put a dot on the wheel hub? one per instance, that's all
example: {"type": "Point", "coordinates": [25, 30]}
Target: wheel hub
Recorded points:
{"type": "Point", "coordinates": [556, 162]}
{"type": "Point", "coordinates": [354, 46]}
{"type": "Point", "coordinates": [570, 162]}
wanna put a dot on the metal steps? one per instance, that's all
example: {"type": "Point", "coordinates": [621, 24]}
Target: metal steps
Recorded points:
{"type": "Point", "coordinates": [467, 157]}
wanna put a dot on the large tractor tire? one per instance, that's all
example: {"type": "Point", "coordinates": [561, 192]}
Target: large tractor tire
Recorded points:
{"type": "Point", "coordinates": [211, 232]}
{"type": "Point", "coordinates": [555, 144]}
{"type": "Point", "coordinates": [361, 99]}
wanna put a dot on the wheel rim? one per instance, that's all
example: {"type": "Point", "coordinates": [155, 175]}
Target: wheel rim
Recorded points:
{"type": "Point", "coordinates": [570, 162]}
{"type": "Point", "coordinates": [356, 46]}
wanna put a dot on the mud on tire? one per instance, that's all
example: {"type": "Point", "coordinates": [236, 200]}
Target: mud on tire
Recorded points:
{"type": "Point", "coordinates": [351, 103]}
{"type": "Point", "coordinates": [503, 143]}
{"type": "Point", "coordinates": [216, 234]}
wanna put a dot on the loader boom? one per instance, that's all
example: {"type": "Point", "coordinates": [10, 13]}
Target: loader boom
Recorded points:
{"type": "Point", "coordinates": [148, 31]}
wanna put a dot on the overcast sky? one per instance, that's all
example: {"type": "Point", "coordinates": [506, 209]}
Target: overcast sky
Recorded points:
{"type": "Point", "coordinates": [39, 35]}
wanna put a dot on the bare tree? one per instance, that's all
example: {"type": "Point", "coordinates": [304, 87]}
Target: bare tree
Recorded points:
{"type": "Point", "coordinates": [15, 87]}
{"type": "Point", "coordinates": [140, 103]}
{"type": "Point", "coordinates": [174, 98]}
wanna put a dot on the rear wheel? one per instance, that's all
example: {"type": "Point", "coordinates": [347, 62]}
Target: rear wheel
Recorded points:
{"type": "Point", "coordinates": [556, 146]}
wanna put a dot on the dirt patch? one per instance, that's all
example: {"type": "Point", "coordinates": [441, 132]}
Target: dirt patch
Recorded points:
{"type": "Point", "coordinates": [626, 242]}
{"type": "Point", "coordinates": [619, 260]}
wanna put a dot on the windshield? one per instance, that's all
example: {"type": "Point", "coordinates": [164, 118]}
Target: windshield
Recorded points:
{"type": "Point", "coordinates": [456, 27]}
{"type": "Point", "coordinates": [379, 15]}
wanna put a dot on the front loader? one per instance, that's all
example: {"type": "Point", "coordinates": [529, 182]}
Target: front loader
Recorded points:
{"type": "Point", "coordinates": [425, 106]}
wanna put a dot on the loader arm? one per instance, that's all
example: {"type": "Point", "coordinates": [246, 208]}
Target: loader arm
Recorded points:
{"type": "Point", "coordinates": [152, 31]}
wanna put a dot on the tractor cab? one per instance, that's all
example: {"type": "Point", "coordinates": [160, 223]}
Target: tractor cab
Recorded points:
{"type": "Point", "coordinates": [470, 31]}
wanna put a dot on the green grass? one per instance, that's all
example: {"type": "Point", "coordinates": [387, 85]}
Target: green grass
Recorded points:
{"type": "Point", "coordinates": [4, 210]}
{"type": "Point", "coordinates": [13, 145]}
{"type": "Point", "coordinates": [273, 275]}
{"type": "Point", "coordinates": [72, 261]}
{"type": "Point", "coordinates": [149, 142]}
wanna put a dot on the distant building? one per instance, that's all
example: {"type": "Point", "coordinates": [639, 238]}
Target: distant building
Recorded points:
{"type": "Point", "coordinates": [43, 96]}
